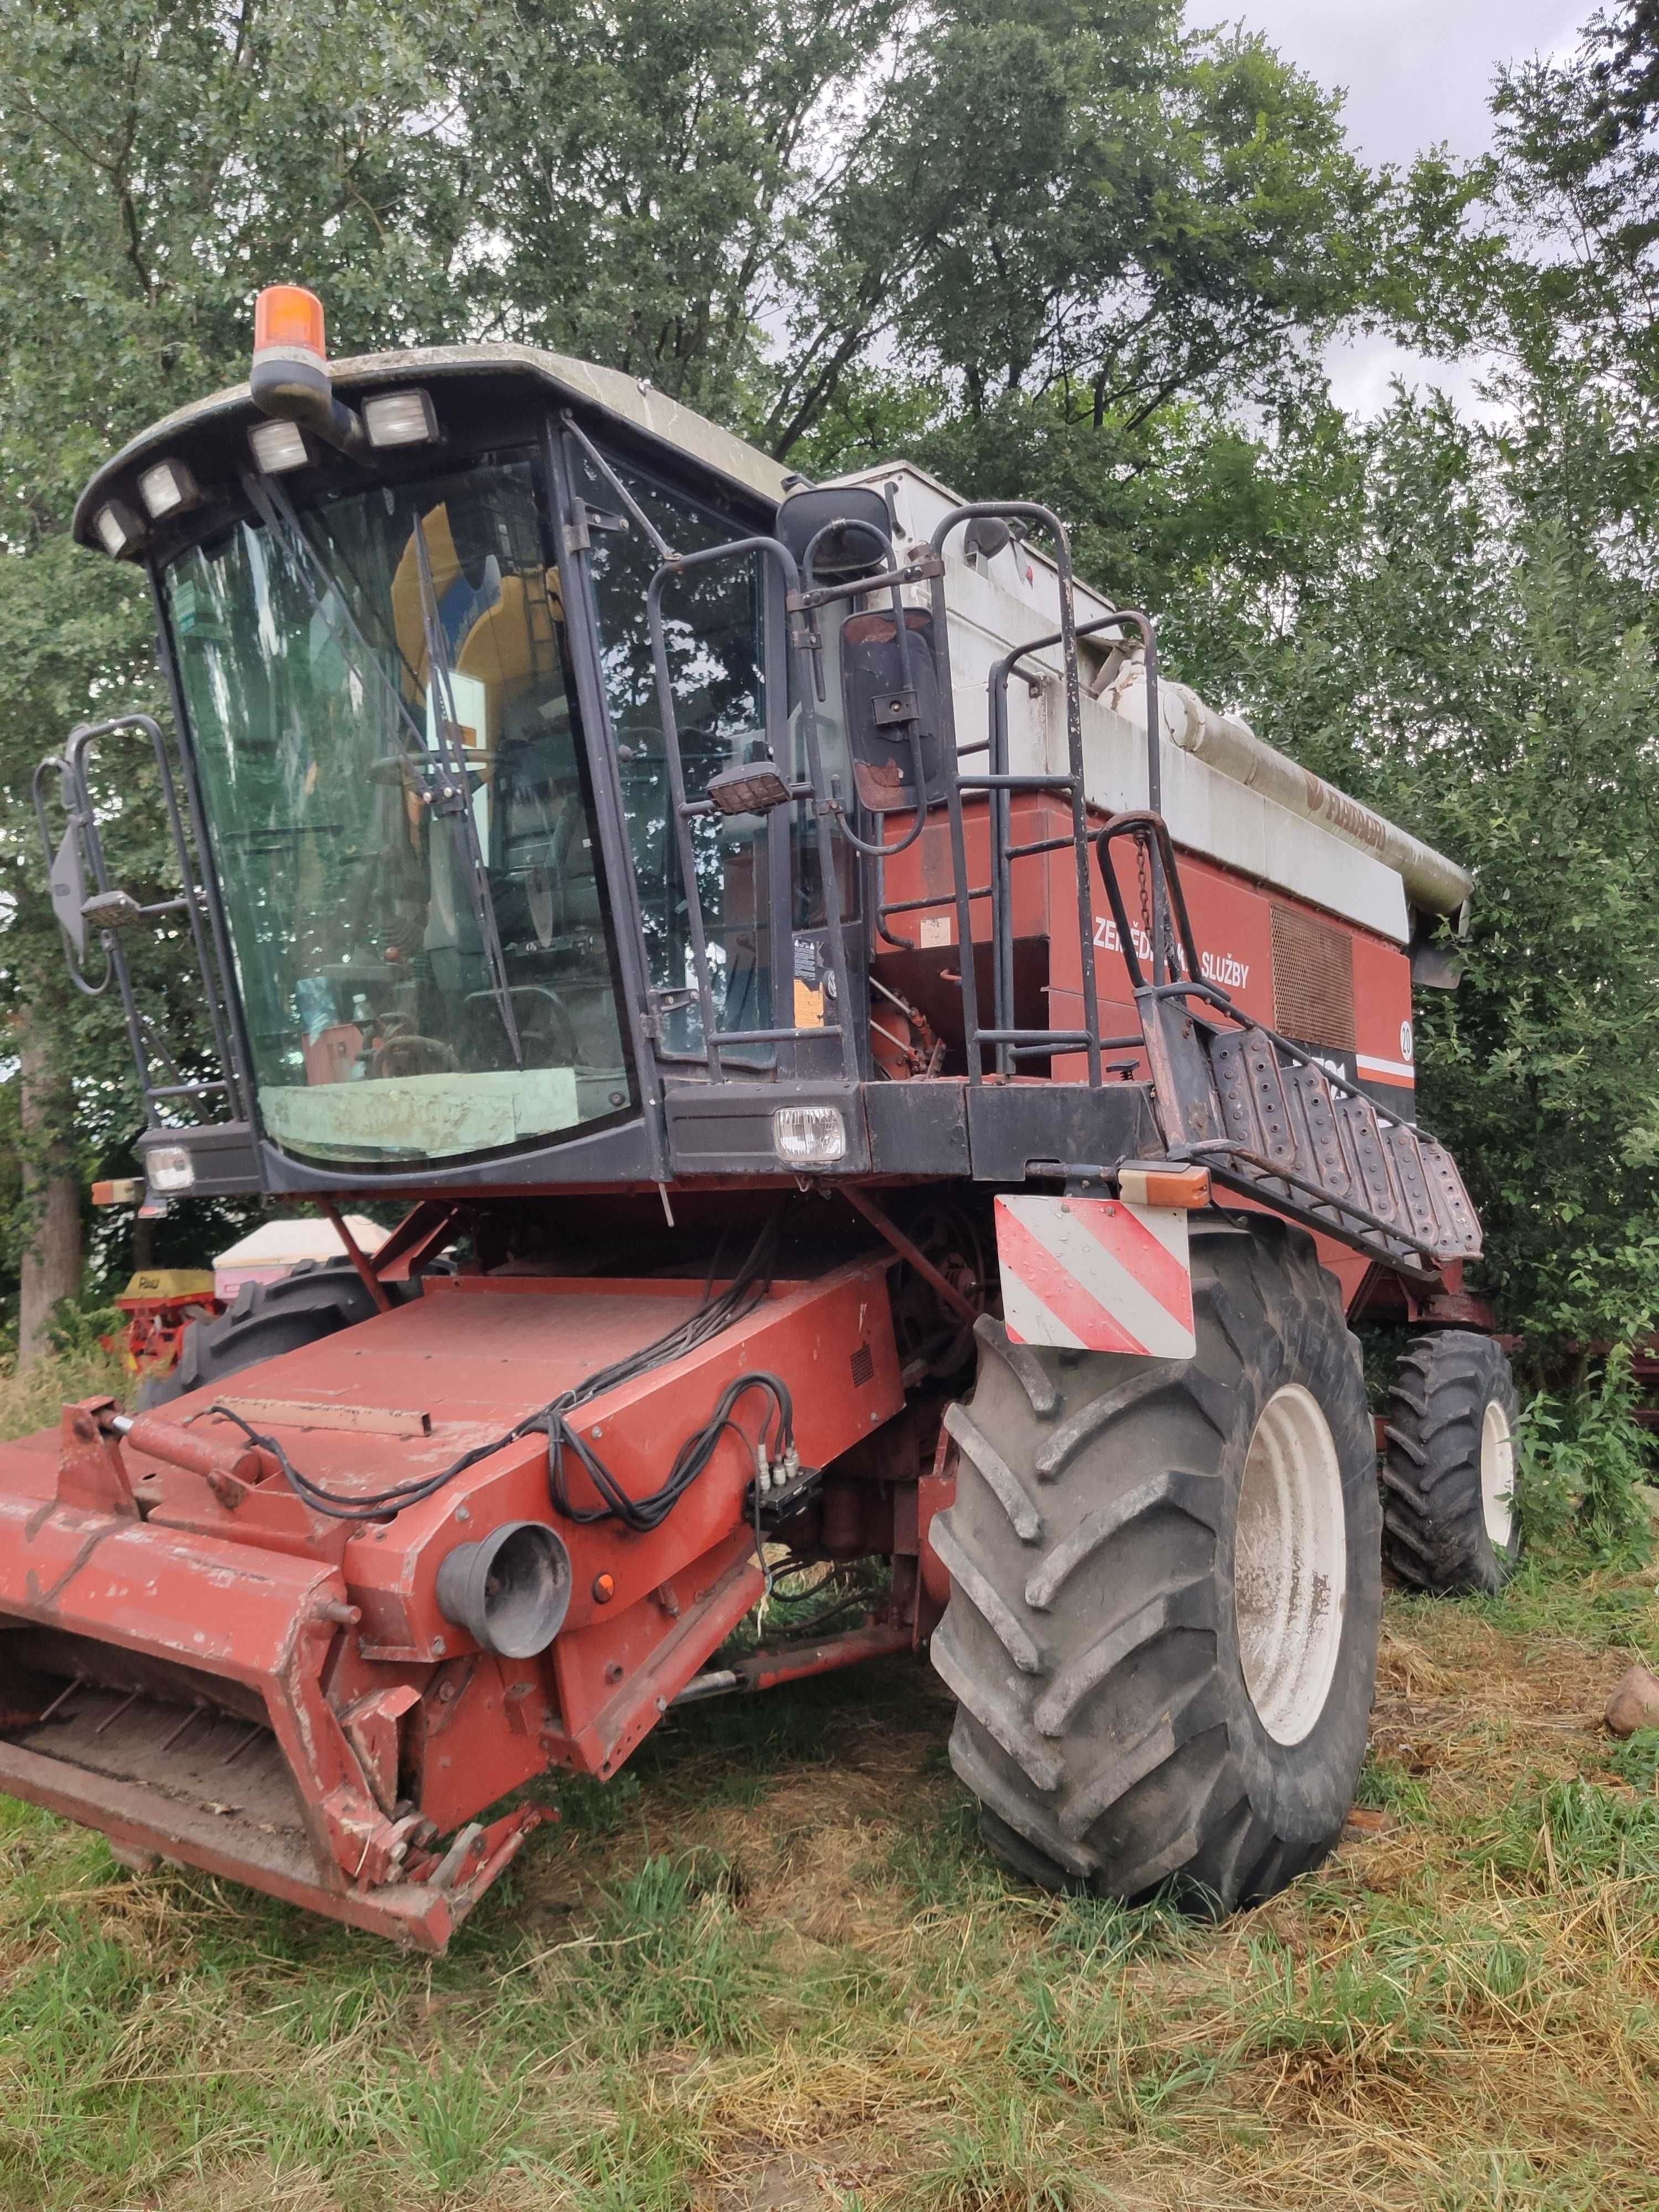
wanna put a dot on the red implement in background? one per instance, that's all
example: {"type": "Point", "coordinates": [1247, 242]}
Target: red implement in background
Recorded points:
{"type": "Point", "coordinates": [159, 1304]}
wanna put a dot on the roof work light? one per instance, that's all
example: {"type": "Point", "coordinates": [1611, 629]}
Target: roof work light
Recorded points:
{"type": "Point", "coordinates": [401, 418]}
{"type": "Point", "coordinates": [278, 447]}
{"type": "Point", "coordinates": [119, 531]}
{"type": "Point", "coordinates": [168, 489]}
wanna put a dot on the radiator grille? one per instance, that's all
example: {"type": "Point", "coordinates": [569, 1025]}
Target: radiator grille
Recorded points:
{"type": "Point", "coordinates": [864, 1366]}
{"type": "Point", "coordinates": [1313, 980]}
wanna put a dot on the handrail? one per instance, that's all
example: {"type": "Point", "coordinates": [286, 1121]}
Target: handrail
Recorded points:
{"type": "Point", "coordinates": [805, 597]}
{"type": "Point", "coordinates": [1021, 510]}
{"type": "Point", "coordinates": [770, 550]}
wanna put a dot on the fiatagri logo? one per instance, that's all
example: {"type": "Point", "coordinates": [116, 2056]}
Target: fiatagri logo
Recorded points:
{"type": "Point", "coordinates": [1225, 970]}
{"type": "Point", "coordinates": [1345, 813]}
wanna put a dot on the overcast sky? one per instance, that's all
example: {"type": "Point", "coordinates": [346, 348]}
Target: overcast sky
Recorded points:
{"type": "Point", "coordinates": [1416, 73]}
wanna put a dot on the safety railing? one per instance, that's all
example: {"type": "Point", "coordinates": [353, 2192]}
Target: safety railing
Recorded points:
{"type": "Point", "coordinates": [1002, 1039]}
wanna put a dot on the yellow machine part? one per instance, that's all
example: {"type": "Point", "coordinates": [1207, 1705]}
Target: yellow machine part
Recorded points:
{"type": "Point", "coordinates": [152, 1285]}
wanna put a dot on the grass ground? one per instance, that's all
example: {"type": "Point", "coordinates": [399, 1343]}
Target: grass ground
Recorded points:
{"type": "Point", "coordinates": [770, 1967]}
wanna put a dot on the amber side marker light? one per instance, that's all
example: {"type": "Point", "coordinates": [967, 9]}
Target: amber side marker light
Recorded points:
{"type": "Point", "coordinates": [1147, 1183]}
{"type": "Point", "coordinates": [124, 1190]}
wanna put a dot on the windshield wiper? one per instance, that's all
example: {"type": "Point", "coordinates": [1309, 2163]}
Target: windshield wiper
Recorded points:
{"type": "Point", "coordinates": [270, 503]}
{"type": "Point", "coordinates": [440, 677]}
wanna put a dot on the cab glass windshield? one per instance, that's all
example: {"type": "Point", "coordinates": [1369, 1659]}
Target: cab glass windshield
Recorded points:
{"type": "Point", "coordinates": [379, 695]}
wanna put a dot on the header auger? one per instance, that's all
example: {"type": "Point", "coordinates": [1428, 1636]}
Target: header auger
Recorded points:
{"type": "Point", "coordinates": [784, 947]}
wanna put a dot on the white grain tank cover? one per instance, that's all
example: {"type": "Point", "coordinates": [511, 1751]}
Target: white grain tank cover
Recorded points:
{"type": "Point", "coordinates": [1433, 883]}
{"type": "Point", "coordinates": [1226, 795]}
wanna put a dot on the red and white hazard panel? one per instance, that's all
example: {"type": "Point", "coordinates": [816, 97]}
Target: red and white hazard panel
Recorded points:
{"type": "Point", "coordinates": [1093, 1275]}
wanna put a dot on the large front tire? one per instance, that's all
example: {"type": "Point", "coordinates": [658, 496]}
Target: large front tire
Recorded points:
{"type": "Point", "coordinates": [1166, 1588]}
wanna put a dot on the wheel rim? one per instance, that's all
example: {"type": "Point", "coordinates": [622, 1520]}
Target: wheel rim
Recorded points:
{"type": "Point", "coordinates": [1290, 1571]}
{"type": "Point", "coordinates": [1496, 1475]}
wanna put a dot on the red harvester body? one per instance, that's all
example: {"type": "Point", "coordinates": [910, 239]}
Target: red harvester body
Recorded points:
{"type": "Point", "coordinates": [720, 912]}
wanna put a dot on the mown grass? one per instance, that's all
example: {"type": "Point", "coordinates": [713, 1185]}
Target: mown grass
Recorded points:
{"type": "Point", "coordinates": [772, 1967]}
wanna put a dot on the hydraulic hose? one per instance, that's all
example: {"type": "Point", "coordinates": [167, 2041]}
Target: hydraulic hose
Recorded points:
{"type": "Point", "coordinates": [740, 1296]}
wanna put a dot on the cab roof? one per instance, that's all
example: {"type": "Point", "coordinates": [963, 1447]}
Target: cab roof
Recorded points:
{"type": "Point", "coordinates": [627, 399]}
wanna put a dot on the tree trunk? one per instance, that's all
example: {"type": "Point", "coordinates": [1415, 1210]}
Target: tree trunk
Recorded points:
{"type": "Point", "coordinates": [51, 1194]}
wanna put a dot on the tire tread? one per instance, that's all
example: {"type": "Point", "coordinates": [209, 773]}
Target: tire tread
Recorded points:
{"type": "Point", "coordinates": [1092, 1723]}
{"type": "Point", "coordinates": [1435, 1536]}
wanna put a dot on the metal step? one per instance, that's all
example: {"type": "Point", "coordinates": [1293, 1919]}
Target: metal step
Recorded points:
{"type": "Point", "coordinates": [1333, 1158]}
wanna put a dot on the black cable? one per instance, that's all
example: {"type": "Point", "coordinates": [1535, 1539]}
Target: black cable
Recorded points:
{"type": "Point", "coordinates": [714, 1263]}
{"type": "Point", "coordinates": [739, 1299]}
{"type": "Point", "coordinates": [643, 1514]}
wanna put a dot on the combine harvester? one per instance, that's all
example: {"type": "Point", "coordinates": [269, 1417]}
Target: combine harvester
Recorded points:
{"type": "Point", "coordinates": [783, 945]}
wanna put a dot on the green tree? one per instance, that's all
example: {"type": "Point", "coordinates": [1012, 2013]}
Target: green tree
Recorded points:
{"type": "Point", "coordinates": [1477, 659]}
{"type": "Point", "coordinates": [156, 165]}
{"type": "Point", "coordinates": [1477, 665]}
{"type": "Point", "coordinates": [754, 202]}
{"type": "Point", "coordinates": [1575, 188]}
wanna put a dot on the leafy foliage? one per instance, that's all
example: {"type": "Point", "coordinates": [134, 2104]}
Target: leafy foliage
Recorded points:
{"type": "Point", "coordinates": [1477, 666]}
{"type": "Point", "coordinates": [1581, 1459]}
{"type": "Point", "coordinates": [1637, 1760]}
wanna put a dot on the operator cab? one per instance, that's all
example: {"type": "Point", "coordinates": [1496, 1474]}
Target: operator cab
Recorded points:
{"type": "Point", "coordinates": [352, 677]}
{"type": "Point", "coordinates": [429, 772]}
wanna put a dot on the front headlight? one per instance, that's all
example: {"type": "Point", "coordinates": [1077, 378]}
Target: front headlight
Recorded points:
{"type": "Point", "coordinates": [168, 1170]}
{"type": "Point", "coordinates": [809, 1136]}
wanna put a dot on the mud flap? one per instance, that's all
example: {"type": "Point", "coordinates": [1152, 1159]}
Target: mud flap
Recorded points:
{"type": "Point", "coordinates": [1095, 1274]}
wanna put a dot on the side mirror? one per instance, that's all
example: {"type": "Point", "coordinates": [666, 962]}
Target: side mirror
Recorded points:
{"type": "Point", "coordinates": [845, 527]}
{"type": "Point", "coordinates": [986, 537]}
{"type": "Point", "coordinates": [1437, 967]}
{"type": "Point", "coordinates": [892, 727]}
{"type": "Point", "coordinates": [1437, 954]}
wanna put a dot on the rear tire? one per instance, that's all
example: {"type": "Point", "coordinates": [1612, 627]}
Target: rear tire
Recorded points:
{"type": "Point", "coordinates": [312, 1302]}
{"type": "Point", "coordinates": [1162, 1632]}
{"type": "Point", "coordinates": [1449, 1523]}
